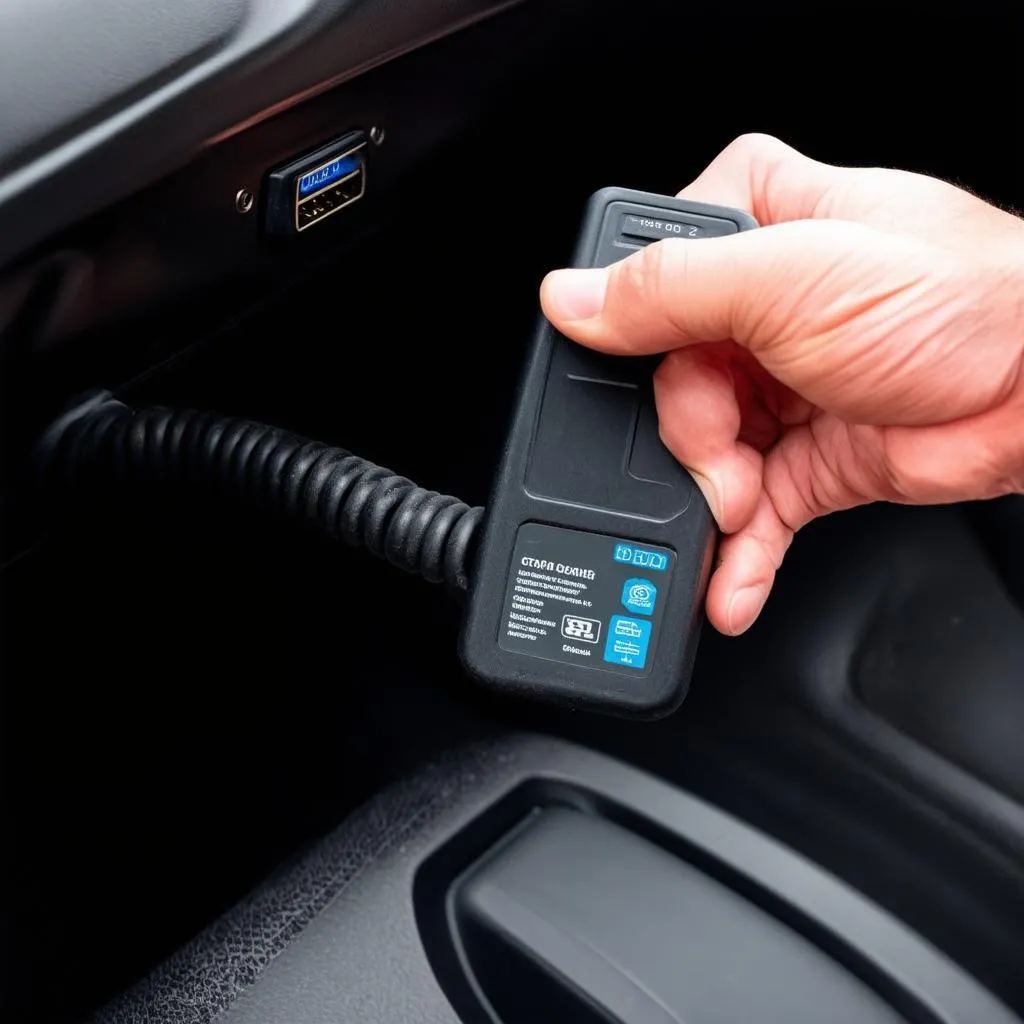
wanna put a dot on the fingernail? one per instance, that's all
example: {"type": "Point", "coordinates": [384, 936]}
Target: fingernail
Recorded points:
{"type": "Point", "coordinates": [744, 608]}
{"type": "Point", "coordinates": [576, 294]}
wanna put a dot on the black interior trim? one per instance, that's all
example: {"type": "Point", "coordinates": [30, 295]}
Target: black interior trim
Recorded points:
{"type": "Point", "coordinates": [357, 927]}
{"type": "Point", "coordinates": [278, 54]}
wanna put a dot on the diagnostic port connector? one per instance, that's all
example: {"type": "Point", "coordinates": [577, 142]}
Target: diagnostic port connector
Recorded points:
{"type": "Point", "coordinates": [306, 191]}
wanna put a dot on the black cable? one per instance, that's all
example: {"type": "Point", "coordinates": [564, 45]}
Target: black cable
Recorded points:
{"type": "Point", "coordinates": [102, 442]}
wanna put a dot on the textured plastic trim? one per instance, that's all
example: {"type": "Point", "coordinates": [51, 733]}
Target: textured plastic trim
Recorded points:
{"type": "Point", "coordinates": [340, 935]}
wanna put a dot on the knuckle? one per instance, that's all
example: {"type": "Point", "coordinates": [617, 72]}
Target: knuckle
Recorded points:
{"type": "Point", "coordinates": [641, 271]}
{"type": "Point", "coordinates": [644, 281]}
{"type": "Point", "coordinates": [752, 146]}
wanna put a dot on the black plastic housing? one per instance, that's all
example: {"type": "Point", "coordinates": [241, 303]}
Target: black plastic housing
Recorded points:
{"type": "Point", "coordinates": [583, 454]}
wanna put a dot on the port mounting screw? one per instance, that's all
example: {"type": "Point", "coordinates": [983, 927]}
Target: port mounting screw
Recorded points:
{"type": "Point", "coordinates": [244, 200]}
{"type": "Point", "coordinates": [376, 135]}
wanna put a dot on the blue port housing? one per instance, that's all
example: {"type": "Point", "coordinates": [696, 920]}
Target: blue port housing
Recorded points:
{"type": "Point", "coordinates": [323, 176]}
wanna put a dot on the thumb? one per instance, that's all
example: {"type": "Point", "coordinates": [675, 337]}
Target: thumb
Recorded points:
{"type": "Point", "coordinates": [675, 292]}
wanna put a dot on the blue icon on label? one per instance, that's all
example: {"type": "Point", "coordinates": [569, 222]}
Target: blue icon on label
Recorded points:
{"type": "Point", "coordinates": [627, 641]}
{"type": "Point", "coordinates": [642, 557]}
{"type": "Point", "coordinates": [639, 596]}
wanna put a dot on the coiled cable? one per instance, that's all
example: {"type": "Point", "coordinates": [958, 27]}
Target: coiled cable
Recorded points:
{"type": "Point", "coordinates": [101, 441]}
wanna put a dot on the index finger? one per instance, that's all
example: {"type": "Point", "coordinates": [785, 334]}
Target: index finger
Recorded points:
{"type": "Point", "coordinates": [765, 177]}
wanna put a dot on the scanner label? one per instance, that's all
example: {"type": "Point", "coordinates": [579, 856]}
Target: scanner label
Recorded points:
{"type": "Point", "coordinates": [566, 594]}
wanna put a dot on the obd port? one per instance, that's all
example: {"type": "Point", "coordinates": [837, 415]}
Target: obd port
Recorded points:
{"type": "Point", "coordinates": [329, 200]}
{"type": "Point", "coordinates": [309, 189]}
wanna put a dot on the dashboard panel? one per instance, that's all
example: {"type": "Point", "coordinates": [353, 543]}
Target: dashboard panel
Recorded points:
{"type": "Point", "coordinates": [98, 99]}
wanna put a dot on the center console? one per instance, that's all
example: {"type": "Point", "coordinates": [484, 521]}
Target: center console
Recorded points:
{"type": "Point", "coordinates": [530, 880]}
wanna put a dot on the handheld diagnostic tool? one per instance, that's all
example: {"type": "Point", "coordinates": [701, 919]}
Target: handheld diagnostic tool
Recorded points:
{"type": "Point", "coordinates": [589, 581]}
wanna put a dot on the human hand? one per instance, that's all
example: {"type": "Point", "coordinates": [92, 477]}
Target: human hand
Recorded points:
{"type": "Point", "coordinates": [866, 344]}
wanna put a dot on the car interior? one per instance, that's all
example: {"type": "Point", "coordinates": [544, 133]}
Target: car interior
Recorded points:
{"type": "Point", "coordinates": [246, 776]}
